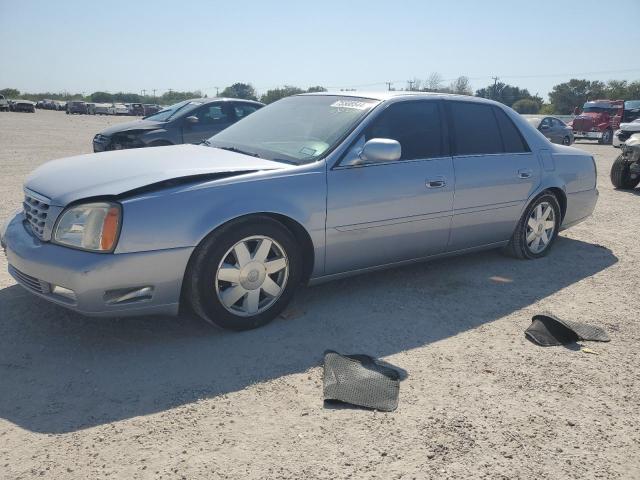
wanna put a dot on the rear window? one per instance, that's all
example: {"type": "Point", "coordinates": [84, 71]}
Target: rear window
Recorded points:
{"type": "Point", "coordinates": [513, 141]}
{"type": "Point", "coordinates": [476, 129]}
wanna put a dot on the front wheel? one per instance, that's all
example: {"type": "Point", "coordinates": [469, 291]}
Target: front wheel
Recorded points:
{"type": "Point", "coordinates": [621, 175]}
{"type": "Point", "coordinates": [566, 140]}
{"type": "Point", "coordinates": [607, 137]}
{"type": "Point", "coordinates": [537, 229]}
{"type": "Point", "coordinates": [244, 274]}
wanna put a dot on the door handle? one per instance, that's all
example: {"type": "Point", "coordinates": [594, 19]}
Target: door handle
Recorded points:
{"type": "Point", "coordinates": [525, 173]}
{"type": "Point", "coordinates": [436, 183]}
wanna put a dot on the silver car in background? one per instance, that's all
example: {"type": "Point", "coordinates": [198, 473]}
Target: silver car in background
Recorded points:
{"type": "Point", "coordinates": [554, 129]}
{"type": "Point", "coordinates": [310, 188]}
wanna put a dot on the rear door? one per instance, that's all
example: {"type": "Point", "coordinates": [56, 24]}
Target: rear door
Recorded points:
{"type": "Point", "coordinates": [389, 212]}
{"type": "Point", "coordinates": [495, 171]}
{"type": "Point", "coordinates": [212, 118]}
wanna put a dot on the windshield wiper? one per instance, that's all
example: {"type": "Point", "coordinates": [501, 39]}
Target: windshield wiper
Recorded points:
{"type": "Point", "coordinates": [237, 150]}
{"type": "Point", "coordinates": [205, 142]}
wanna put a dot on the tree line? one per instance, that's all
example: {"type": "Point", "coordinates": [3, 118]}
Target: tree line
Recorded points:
{"type": "Point", "coordinates": [563, 97]}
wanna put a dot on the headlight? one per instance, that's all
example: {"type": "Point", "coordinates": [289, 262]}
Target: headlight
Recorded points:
{"type": "Point", "coordinates": [90, 226]}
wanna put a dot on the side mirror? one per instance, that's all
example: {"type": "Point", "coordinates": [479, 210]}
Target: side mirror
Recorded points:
{"type": "Point", "coordinates": [192, 120]}
{"type": "Point", "coordinates": [379, 150]}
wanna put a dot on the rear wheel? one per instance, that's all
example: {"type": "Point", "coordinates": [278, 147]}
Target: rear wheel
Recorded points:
{"type": "Point", "coordinates": [244, 274]}
{"type": "Point", "coordinates": [566, 141]}
{"type": "Point", "coordinates": [621, 175]}
{"type": "Point", "coordinates": [537, 229]}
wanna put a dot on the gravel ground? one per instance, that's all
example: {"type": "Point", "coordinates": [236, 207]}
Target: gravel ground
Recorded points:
{"type": "Point", "coordinates": [169, 398]}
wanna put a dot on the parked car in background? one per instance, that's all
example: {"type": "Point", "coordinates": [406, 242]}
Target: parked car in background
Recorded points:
{"type": "Point", "coordinates": [91, 108]}
{"type": "Point", "coordinates": [151, 108]}
{"type": "Point", "coordinates": [598, 120]}
{"type": "Point", "coordinates": [310, 188]}
{"type": "Point", "coordinates": [191, 121]}
{"type": "Point", "coordinates": [4, 104]}
{"type": "Point", "coordinates": [625, 131]}
{"type": "Point", "coordinates": [75, 106]}
{"type": "Point", "coordinates": [631, 111]}
{"type": "Point", "coordinates": [22, 106]}
{"type": "Point", "coordinates": [136, 109]}
{"type": "Point", "coordinates": [103, 109]}
{"type": "Point", "coordinates": [554, 129]}
{"type": "Point", "coordinates": [625, 171]}
{"type": "Point", "coordinates": [120, 109]}
{"type": "Point", "coordinates": [60, 105]}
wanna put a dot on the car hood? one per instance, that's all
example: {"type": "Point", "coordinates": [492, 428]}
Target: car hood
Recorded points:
{"type": "Point", "coordinates": [135, 125]}
{"type": "Point", "coordinates": [116, 172]}
{"type": "Point", "coordinates": [630, 127]}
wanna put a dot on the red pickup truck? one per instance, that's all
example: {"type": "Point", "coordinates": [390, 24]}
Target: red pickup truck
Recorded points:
{"type": "Point", "coordinates": [598, 120]}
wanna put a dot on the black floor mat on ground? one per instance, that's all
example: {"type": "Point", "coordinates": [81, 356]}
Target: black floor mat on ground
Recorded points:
{"type": "Point", "coordinates": [548, 330]}
{"type": "Point", "coordinates": [360, 380]}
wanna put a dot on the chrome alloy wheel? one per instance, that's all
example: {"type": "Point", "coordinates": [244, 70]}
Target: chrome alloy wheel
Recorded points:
{"type": "Point", "coordinates": [252, 275]}
{"type": "Point", "coordinates": [540, 227]}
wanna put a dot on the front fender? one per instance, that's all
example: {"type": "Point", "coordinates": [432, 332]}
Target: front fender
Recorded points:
{"type": "Point", "coordinates": [183, 216]}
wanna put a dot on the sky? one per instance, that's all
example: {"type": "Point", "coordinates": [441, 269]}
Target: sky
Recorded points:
{"type": "Point", "coordinates": [86, 46]}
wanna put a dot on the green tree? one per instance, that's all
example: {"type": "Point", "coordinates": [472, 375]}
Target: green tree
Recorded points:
{"type": "Point", "coordinates": [240, 90]}
{"type": "Point", "coordinates": [101, 97]}
{"type": "Point", "coordinates": [526, 105]}
{"type": "Point", "coordinates": [10, 92]}
{"type": "Point", "coordinates": [277, 93]}
{"type": "Point", "coordinates": [547, 109]}
{"type": "Point", "coordinates": [127, 97]}
{"type": "Point", "coordinates": [574, 93]}
{"type": "Point", "coordinates": [461, 86]}
{"type": "Point", "coordinates": [507, 94]}
{"type": "Point", "coordinates": [174, 96]}
{"type": "Point", "coordinates": [317, 88]}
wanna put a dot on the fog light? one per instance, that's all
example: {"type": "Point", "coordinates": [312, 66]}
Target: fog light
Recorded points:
{"type": "Point", "coordinates": [128, 295]}
{"type": "Point", "coordinates": [65, 293]}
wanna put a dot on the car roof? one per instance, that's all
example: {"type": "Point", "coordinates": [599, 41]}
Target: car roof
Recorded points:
{"type": "Point", "coordinates": [400, 94]}
{"type": "Point", "coordinates": [222, 99]}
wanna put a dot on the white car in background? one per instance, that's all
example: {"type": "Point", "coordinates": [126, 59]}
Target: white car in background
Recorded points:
{"type": "Point", "coordinates": [626, 130]}
{"type": "Point", "coordinates": [120, 109]}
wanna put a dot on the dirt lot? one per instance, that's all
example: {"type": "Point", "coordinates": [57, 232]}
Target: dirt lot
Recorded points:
{"type": "Point", "coordinates": [169, 398]}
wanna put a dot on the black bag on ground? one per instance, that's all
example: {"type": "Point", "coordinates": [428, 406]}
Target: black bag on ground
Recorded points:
{"type": "Point", "coordinates": [548, 330]}
{"type": "Point", "coordinates": [360, 380]}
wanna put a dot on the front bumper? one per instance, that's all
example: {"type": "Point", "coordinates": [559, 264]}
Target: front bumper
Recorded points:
{"type": "Point", "coordinates": [590, 135]}
{"type": "Point", "coordinates": [95, 278]}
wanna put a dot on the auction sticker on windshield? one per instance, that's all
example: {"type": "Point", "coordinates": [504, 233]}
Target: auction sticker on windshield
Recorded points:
{"type": "Point", "coordinates": [350, 104]}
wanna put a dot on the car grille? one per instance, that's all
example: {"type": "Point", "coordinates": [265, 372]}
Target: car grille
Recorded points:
{"type": "Point", "coordinates": [35, 212]}
{"type": "Point", "coordinates": [582, 124]}
{"type": "Point", "coordinates": [27, 281]}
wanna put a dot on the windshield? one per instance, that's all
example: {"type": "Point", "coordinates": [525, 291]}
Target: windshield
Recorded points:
{"type": "Point", "coordinates": [632, 104]}
{"type": "Point", "coordinates": [297, 129]}
{"type": "Point", "coordinates": [599, 108]}
{"type": "Point", "coordinates": [169, 112]}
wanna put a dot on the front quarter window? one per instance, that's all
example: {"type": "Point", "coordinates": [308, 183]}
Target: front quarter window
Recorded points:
{"type": "Point", "coordinates": [298, 129]}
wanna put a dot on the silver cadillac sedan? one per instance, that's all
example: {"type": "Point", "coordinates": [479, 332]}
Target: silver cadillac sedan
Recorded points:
{"type": "Point", "coordinates": [310, 188]}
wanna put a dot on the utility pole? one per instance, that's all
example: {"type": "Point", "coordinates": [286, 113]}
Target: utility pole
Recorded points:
{"type": "Point", "coordinates": [144, 92]}
{"type": "Point", "coordinates": [495, 87]}
{"type": "Point", "coordinates": [154, 95]}
{"type": "Point", "coordinates": [217, 89]}
{"type": "Point", "coordinates": [410, 82]}
{"type": "Point", "coordinates": [389, 85]}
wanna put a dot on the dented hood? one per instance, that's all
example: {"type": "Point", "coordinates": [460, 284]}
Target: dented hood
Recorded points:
{"type": "Point", "coordinates": [113, 173]}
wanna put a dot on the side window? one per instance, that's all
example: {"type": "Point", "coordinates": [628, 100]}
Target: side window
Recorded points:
{"type": "Point", "coordinates": [244, 109]}
{"type": "Point", "coordinates": [476, 129]}
{"type": "Point", "coordinates": [212, 114]}
{"type": "Point", "coordinates": [513, 141]}
{"type": "Point", "coordinates": [546, 122]}
{"type": "Point", "coordinates": [416, 125]}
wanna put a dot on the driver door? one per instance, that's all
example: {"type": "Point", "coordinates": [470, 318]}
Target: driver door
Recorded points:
{"type": "Point", "coordinates": [384, 213]}
{"type": "Point", "coordinates": [212, 118]}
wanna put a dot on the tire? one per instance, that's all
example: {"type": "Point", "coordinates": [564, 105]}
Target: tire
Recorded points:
{"type": "Point", "coordinates": [215, 271]}
{"type": "Point", "coordinates": [607, 137]}
{"type": "Point", "coordinates": [621, 175]}
{"type": "Point", "coordinates": [566, 141]}
{"type": "Point", "coordinates": [522, 244]}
